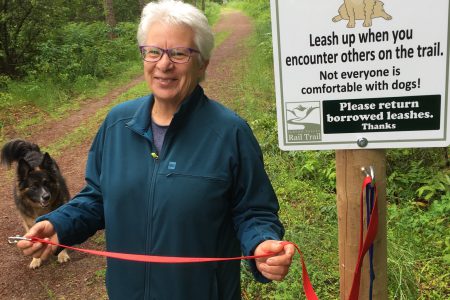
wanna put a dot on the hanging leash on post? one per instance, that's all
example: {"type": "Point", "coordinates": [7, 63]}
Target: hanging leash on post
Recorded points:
{"type": "Point", "coordinates": [370, 199]}
{"type": "Point", "coordinates": [366, 244]}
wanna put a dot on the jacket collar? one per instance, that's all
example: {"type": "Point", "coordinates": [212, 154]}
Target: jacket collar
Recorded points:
{"type": "Point", "coordinates": [195, 99]}
{"type": "Point", "coordinates": [141, 119]}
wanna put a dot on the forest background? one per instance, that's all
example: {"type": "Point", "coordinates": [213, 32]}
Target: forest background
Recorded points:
{"type": "Point", "coordinates": [54, 55]}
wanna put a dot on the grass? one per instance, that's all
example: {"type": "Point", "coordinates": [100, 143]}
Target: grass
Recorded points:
{"type": "Point", "coordinates": [220, 37]}
{"type": "Point", "coordinates": [50, 293]}
{"type": "Point", "coordinates": [100, 274]}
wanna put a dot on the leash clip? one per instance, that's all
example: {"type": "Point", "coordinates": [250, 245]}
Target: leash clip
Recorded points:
{"type": "Point", "coordinates": [369, 173]}
{"type": "Point", "coordinates": [17, 238]}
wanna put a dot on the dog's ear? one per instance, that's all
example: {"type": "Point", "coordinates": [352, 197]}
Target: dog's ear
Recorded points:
{"type": "Point", "coordinates": [23, 169]}
{"type": "Point", "coordinates": [47, 163]}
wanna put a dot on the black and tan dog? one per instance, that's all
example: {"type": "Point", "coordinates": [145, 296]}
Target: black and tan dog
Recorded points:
{"type": "Point", "coordinates": [40, 187]}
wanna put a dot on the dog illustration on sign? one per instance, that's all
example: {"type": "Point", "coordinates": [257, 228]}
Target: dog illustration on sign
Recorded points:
{"type": "Point", "coordinates": [365, 10]}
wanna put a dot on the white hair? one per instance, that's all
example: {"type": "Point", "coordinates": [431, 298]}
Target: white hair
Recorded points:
{"type": "Point", "coordinates": [173, 12]}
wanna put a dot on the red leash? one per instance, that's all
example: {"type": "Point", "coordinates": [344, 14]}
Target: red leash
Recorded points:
{"type": "Point", "coordinates": [368, 240]}
{"type": "Point", "coordinates": [307, 286]}
{"type": "Point", "coordinates": [310, 294]}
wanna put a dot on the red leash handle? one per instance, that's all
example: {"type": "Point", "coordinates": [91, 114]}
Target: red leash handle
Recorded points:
{"type": "Point", "coordinates": [307, 286]}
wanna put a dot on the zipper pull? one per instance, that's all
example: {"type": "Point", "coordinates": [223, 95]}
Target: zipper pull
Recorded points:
{"type": "Point", "coordinates": [154, 155]}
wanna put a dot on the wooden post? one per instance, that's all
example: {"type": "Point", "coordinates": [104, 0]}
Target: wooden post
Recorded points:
{"type": "Point", "coordinates": [349, 179]}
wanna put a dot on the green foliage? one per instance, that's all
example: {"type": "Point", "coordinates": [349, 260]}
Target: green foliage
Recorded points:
{"type": "Point", "coordinates": [30, 27]}
{"type": "Point", "coordinates": [417, 175]}
{"type": "Point", "coordinates": [93, 10]}
{"type": "Point", "coordinates": [23, 25]}
{"type": "Point", "coordinates": [83, 11]}
{"type": "Point", "coordinates": [437, 186]}
{"type": "Point", "coordinates": [127, 10]}
{"type": "Point", "coordinates": [72, 61]}
{"type": "Point", "coordinates": [420, 250]}
{"type": "Point", "coordinates": [314, 167]}
{"type": "Point", "coordinates": [212, 12]}
{"type": "Point", "coordinates": [37, 92]}
{"type": "Point", "coordinates": [81, 49]}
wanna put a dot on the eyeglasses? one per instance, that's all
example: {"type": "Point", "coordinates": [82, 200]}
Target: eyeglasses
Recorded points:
{"type": "Point", "coordinates": [178, 55]}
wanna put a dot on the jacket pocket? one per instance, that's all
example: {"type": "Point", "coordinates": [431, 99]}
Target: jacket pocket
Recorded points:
{"type": "Point", "coordinates": [192, 198]}
{"type": "Point", "coordinates": [196, 176]}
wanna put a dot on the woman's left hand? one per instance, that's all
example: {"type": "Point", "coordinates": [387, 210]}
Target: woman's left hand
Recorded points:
{"type": "Point", "coordinates": [277, 266]}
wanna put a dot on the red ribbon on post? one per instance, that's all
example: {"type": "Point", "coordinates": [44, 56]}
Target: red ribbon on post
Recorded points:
{"type": "Point", "coordinates": [307, 286]}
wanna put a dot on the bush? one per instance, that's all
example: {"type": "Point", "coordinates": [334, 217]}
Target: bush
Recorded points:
{"type": "Point", "coordinates": [212, 12]}
{"type": "Point", "coordinates": [81, 49]}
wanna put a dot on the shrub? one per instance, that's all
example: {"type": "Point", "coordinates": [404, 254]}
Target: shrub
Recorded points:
{"type": "Point", "coordinates": [81, 49]}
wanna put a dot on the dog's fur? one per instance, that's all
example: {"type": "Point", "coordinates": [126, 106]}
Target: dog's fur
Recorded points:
{"type": "Point", "coordinates": [40, 188]}
{"type": "Point", "coordinates": [365, 10]}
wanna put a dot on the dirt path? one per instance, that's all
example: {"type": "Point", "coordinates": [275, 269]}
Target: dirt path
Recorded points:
{"type": "Point", "coordinates": [83, 276]}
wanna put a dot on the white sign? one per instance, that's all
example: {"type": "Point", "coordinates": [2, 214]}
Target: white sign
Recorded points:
{"type": "Point", "coordinates": [361, 74]}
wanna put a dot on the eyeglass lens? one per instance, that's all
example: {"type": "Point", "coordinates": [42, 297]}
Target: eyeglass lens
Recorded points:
{"type": "Point", "coordinates": [176, 55]}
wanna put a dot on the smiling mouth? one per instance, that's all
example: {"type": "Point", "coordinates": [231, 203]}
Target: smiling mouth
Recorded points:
{"type": "Point", "coordinates": [165, 80]}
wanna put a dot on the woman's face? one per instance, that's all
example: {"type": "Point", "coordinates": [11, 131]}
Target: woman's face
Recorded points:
{"type": "Point", "coordinates": [172, 82]}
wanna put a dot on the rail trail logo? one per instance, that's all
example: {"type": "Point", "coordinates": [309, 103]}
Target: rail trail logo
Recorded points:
{"type": "Point", "coordinates": [303, 121]}
{"type": "Point", "coordinates": [365, 10]}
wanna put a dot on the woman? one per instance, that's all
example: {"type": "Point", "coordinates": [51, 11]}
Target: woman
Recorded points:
{"type": "Point", "coordinates": [175, 174]}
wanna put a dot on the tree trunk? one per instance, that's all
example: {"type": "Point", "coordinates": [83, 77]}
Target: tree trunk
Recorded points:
{"type": "Point", "coordinates": [203, 5]}
{"type": "Point", "coordinates": [110, 17]}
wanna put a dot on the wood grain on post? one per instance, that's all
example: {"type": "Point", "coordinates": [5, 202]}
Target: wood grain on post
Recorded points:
{"type": "Point", "coordinates": [349, 180]}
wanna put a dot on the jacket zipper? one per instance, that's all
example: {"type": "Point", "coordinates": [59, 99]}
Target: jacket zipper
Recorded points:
{"type": "Point", "coordinates": [151, 200]}
{"type": "Point", "coordinates": [151, 196]}
{"type": "Point", "coordinates": [156, 157]}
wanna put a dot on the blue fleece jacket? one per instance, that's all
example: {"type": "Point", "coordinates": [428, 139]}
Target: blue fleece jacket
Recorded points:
{"type": "Point", "coordinates": [205, 195]}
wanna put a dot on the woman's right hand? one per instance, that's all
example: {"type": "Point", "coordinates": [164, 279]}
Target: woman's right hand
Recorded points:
{"type": "Point", "coordinates": [43, 230]}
